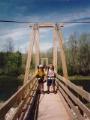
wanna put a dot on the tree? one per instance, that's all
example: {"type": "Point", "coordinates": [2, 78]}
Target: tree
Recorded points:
{"type": "Point", "coordinates": [84, 54]}
{"type": "Point", "coordinates": [78, 54]}
{"type": "Point", "coordinates": [9, 47]}
{"type": "Point", "coordinates": [73, 53]}
{"type": "Point", "coordinates": [2, 62]}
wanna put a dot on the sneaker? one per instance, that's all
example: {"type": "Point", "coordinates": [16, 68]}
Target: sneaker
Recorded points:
{"type": "Point", "coordinates": [48, 92]}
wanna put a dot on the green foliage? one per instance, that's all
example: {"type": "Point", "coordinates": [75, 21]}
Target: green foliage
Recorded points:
{"type": "Point", "coordinates": [84, 54]}
{"type": "Point", "coordinates": [59, 70]}
{"type": "Point", "coordinates": [10, 69]}
{"type": "Point", "coordinates": [2, 62]}
{"type": "Point", "coordinates": [11, 63]}
{"type": "Point", "coordinates": [78, 54]}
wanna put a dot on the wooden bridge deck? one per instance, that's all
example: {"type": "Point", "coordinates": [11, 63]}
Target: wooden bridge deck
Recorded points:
{"type": "Point", "coordinates": [51, 107]}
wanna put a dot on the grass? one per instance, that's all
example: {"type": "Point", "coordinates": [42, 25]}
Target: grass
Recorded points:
{"type": "Point", "coordinates": [76, 77]}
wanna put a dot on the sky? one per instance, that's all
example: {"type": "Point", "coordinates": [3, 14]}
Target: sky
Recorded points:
{"type": "Point", "coordinates": [41, 11]}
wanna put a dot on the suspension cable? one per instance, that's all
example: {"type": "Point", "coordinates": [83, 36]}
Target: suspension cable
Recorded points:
{"type": "Point", "coordinates": [23, 22]}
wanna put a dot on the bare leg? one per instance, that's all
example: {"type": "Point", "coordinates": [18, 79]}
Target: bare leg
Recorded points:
{"type": "Point", "coordinates": [48, 89]}
{"type": "Point", "coordinates": [39, 86]}
{"type": "Point", "coordinates": [53, 88]}
{"type": "Point", "coordinates": [42, 87]}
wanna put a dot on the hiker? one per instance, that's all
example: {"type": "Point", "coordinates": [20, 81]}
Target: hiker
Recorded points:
{"type": "Point", "coordinates": [51, 79]}
{"type": "Point", "coordinates": [40, 74]}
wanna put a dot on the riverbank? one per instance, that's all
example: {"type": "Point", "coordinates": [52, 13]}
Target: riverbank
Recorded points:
{"type": "Point", "coordinates": [79, 77]}
{"type": "Point", "coordinates": [8, 86]}
{"type": "Point", "coordinates": [83, 81]}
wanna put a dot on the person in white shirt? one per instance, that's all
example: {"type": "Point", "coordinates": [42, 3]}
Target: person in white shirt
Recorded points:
{"type": "Point", "coordinates": [51, 79]}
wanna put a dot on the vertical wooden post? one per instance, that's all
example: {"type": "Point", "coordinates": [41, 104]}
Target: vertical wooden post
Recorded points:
{"type": "Point", "coordinates": [37, 38]}
{"type": "Point", "coordinates": [63, 59]}
{"type": "Point", "coordinates": [42, 61]}
{"type": "Point", "coordinates": [55, 50]}
{"type": "Point", "coordinates": [46, 61]}
{"type": "Point", "coordinates": [29, 55]}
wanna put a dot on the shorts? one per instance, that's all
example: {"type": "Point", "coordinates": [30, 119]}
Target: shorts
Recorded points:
{"type": "Point", "coordinates": [40, 81]}
{"type": "Point", "coordinates": [51, 82]}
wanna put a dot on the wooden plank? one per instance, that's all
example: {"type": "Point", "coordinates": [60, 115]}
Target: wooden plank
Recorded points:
{"type": "Point", "coordinates": [28, 102]}
{"type": "Point", "coordinates": [78, 90]}
{"type": "Point", "coordinates": [44, 25]}
{"type": "Point", "coordinates": [65, 104]}
{"type": "Point", "coordinates": [79, 116]}
{"type": "Point", "coordinates": [51, 107]}
{"type": "Point", "coordinates": [29, 108]}
{"type": "Point", "coordinates": [23, 102]}
{"type": "Point", "coordinates": [76, 100]}
{"type": "Point", "coordinates": [47, 25]}
{"type": "Point", "coordinates": [13, 99]}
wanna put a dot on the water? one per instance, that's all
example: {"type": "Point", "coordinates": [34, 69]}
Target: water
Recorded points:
{"type": "Point", "coordinates": [84, 83]}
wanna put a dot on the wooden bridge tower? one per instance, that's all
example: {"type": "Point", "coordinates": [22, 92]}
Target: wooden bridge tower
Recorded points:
{"type": "Point", "coordinates": [35, 39]}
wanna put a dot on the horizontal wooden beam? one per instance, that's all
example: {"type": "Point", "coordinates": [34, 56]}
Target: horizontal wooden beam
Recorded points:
{"type": "Point", "coordinates": [46, 25]}
{"type": "Point", "coordinates": [77, 89]}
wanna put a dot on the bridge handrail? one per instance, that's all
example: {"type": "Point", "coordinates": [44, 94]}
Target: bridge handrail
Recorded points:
{"type": "Point", "coordinates": [81, 92]}
{"type": "Point", "coordinates": [72, 100]}
{"type": "Point", "coordinates": [17, 97]}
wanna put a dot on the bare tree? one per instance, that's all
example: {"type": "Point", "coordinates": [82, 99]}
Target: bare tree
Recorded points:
{"type": "Point", "coordinates": [73, 52]}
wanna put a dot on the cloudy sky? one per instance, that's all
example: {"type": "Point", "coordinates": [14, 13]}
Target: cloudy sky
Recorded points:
{"type": "Point", "coordinates": [41, 11]}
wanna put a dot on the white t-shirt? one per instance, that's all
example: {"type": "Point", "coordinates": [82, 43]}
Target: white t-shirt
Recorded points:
{"type": "Point", "coordinates": [51, 73]}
